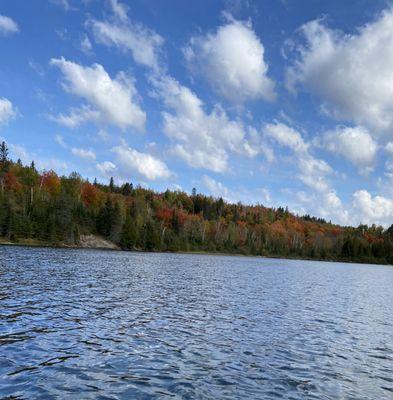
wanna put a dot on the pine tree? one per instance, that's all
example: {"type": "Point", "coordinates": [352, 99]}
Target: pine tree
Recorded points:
{"type": "Point", "coordinates": [115, 223]}
{"type": "Point", "coordinates": [3, 156]}
{"type": "Point", "coordinates": [129, 234]}
{"type": "Point", "coordinates": [111, 185]}
{"type": "Point", "coordinates": [152, 239]}
{"type": "Point", "coordinates": [126, 189]}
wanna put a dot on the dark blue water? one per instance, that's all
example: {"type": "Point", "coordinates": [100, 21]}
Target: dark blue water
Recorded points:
{"type": "Point", "coordinates": [78, 324]}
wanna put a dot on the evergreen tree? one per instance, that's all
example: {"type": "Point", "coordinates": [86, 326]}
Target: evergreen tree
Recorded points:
{"type": "Point", "coordinates": [111, 185]}
{"type": "Point", "coordinates": [3, 156]}
{"type": "Point", "coordinates": [55, 210]}
{"type": "Point", "coordinates": [126, 189]}
{"type": "Point", "coordinates": [152, 239]}
{"type": "Point", "coordinates": [129, 234]}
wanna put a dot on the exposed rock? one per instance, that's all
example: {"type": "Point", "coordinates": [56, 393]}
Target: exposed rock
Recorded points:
{"type": "Point", "coordinates": [96, 242]}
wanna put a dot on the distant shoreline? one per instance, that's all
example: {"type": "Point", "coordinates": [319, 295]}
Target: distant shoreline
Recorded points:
{"type": "Point", "coordinates": [41, 244]}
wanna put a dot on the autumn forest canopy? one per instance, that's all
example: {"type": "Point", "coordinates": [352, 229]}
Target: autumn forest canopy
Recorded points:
{"type": "Point", "coordinates": [57, 210]}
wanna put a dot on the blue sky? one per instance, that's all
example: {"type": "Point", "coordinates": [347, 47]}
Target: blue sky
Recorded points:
{"type": "Point", "coordinates": [285, 103]}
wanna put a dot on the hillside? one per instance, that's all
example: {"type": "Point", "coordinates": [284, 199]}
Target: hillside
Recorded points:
{"type": "Point", "coordinates": [57, 210]}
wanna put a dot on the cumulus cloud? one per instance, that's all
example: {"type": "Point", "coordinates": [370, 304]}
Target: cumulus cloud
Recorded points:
{"type": "Point", "coordinates": [76, 117]}
{"type": "Point", "coordinates": [7, 26]}
{"type": "Point", "coordinates": [327, 205]}
{"type": "Point", "coordinates": [144, 44]}
{"type": "Point", "coordinates": [110, 100]}
{"type": "Point", "coordinates": [286, 136]}
{"type": "Point", "coordinates": [373, 210]}
{"type": "Point", "coordinates": [201, 139]}
{"type": "Point", "coordinates": [232, 60]}
{"type": "Point", "coordinates": [216, 189]}
{"type": "Point", "coordinates": [355, 144]}
{"type": "Point", "coordinates": [389, 148]}
{"type": "Point", "coordinates": [313, 172]}
{"type": "Point", "coordinates": [86, 154]}
{"type": "Point", "coordinates": [142, 164]}
{"type": "Point", "coordinates": [247, 196]}
{"type": "Point", "coordinates": [352, 73]}
{"type": "Point", "coordinates": [106, 168]}
{"type": "Point", "coordinates": [363, 209]}
{"type": "Point", "coordinates": [7, 110]}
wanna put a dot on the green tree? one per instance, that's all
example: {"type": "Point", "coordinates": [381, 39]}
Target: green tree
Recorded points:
{"type": "Point", "coordinates": [129, 234]}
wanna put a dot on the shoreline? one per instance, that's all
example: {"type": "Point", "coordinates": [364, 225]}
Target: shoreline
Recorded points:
{"type": "Point", "coordinates": [41, 244]}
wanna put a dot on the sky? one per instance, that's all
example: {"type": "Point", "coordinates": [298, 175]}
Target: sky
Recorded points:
{"type": "Point", "coordinates": [281, 103]}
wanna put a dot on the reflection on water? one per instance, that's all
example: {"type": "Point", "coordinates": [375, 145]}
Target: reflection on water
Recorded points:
{"type": "Point", "coordinates": [91, 324]}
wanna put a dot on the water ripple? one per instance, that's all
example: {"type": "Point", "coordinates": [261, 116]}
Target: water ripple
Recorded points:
{"type": "Point", "coordinates": [112, 325]}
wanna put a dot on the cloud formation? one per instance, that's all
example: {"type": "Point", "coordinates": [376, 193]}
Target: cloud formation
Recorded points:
{"type": "Point", "coordinates": [7, 26]}
{"type": "Point", "coordinates": [201, 139]}
{"type": "Point", "coordinates": [7, 110]}
{"type": "Point", "coordinates": [373, 210]}
{"type": "Point", "coordinates": [355, 144]}
{"type": "Point", "coordinates": [141, 164]}
{"type": "Point", "coordinates": [351, 73]}
{"type": "Point", "coordinates": [143, 43]}
{"type": "Point", "coordinates": [109, 100]}
{"type": "Point", "coordinates": [313, 172]}
{"type": "Point", "coordinates": [86, 154]}
{"type": "Point", "coordinates": [232, 60]}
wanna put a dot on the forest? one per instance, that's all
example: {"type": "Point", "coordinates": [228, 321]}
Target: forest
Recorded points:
{"type": "Point", "coordinates": [56, 210]}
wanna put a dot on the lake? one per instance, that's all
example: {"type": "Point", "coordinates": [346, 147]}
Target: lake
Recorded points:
{"type": "Point", "coordinates": [90, 324]}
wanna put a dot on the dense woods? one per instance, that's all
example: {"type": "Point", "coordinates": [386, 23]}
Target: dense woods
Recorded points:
{"type": "Point", "coordinates": [56, 210]}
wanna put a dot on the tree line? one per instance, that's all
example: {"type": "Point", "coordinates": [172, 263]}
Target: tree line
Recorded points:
{"type": "Point", "coordinates": [57, 210]}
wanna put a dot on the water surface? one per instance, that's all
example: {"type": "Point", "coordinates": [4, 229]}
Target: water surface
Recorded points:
{"type": "Point", "coordinates": [86, 324]}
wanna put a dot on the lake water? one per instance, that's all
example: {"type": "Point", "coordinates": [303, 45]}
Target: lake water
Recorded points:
{"type": "Point", "coordinates": [87, 324]}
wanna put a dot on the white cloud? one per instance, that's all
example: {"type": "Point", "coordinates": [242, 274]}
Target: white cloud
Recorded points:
{"type": "Point", "coordinates": [119, 9]}
{"type": "Point", "coordinates": [7, 111]}
{"type": "Point", "coordinates": [355, 144]}
{"type": "Point", "coordinates": [373, 210]}
{"type": "Point", "coordinates": [325, 205]}
{"type": "Point", "coordinates": [247, 196]}
{"type": "Point", "coordinates": [352, 73]}
{"type": "Point", "coordinates": [144, 44]}
{"type": "Point", "coordinates": [143, 164]}
{"type": "Point", "coordinates": [389, 148]}
{"type": "Point", "coordinates": [41, 163]}
{"type": "Point", "coordinates": [113, 100]}
{"type": "Point", "coordinates": [312, 171]}
{"type": "Point", "coordinates": [85, 45]}
{"type": "Point", "coordinates": [65, 4]}
{"type": "Point", "coordinates": [86, 154]}
{"type": "Point", "coordinates": [332, 208]}
{"type": "Point", "coordinates": [286, 136]}
{"type": "Point", "coordinates": [216, 189]}
{"type": "Point", "coordinates": [18, 151]}
{"type": "Point", "coordinates": [7, 25]}
{"type": "Point", "coordinates": [59, 140]}
{"type": "Point", "coordinates": [232, 60]}
{"type": "Point", "coordinates": [36, 67]}
{"type": "Point", "coordinates": [106, 168]}
{"type": "Point", "coordinates": [76, 117]}
{"type": "Point", "coordinates": [201, 139]}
